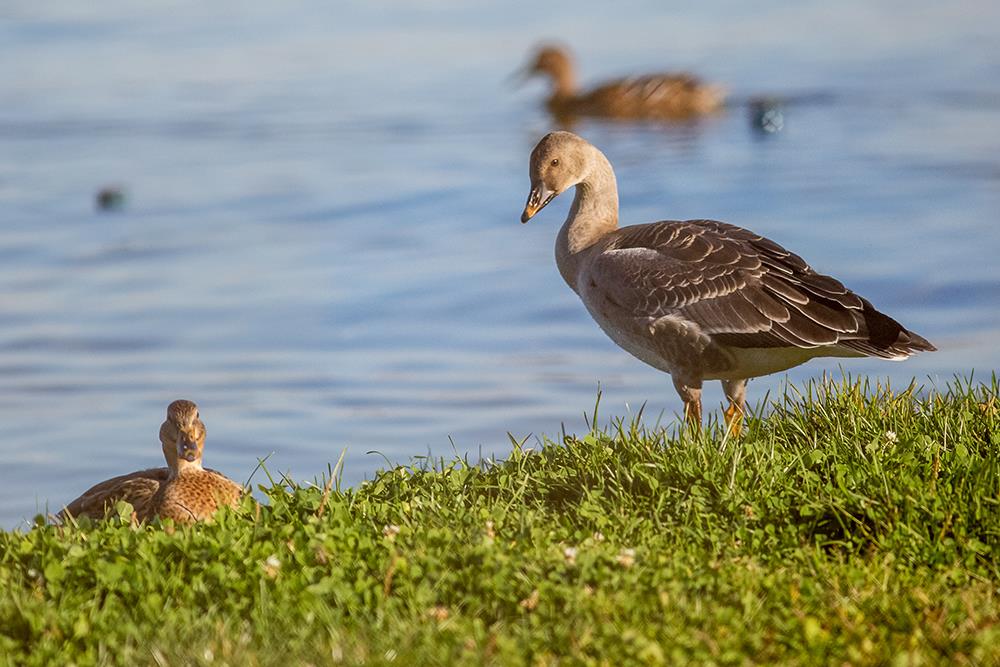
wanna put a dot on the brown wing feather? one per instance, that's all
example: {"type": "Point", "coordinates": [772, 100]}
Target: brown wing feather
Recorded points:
{"type": "Point", "coordinates": [654, 95]}
{"type": "Point", "coordinates": [741, 289]}
{"type": "Point", "coordinates": [136, 488]}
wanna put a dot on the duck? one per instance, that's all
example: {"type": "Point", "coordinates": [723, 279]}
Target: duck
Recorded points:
{"type": "Point", "coordinates": [183, 491]}
{"type": "Point", "coordinates": [699, 299]}
{"type": "Point", "coordinates": [670, 96]}
{"type": "Point", "coordinates": [191, 492]}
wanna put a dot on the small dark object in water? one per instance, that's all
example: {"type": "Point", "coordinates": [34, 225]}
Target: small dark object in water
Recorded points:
{"type": "Point", "coordinates": [110, 198]}
{"type": "Point", "coordinates": [766, 115]}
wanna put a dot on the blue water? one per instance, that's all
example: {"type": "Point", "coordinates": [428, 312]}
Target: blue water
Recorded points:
{"type": "Point", "coordinates": [321, 244]}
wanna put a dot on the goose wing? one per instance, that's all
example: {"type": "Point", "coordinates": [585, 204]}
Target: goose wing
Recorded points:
{"type": "Point", "coordinates": [739, 288]}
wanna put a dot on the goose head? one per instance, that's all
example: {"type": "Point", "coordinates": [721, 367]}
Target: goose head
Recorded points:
{"type": "Point", "coordinates": [560, 161]}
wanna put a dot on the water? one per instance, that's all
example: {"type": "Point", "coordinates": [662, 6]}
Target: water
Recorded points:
{"type": "Point", "coordinates": [321, 242]}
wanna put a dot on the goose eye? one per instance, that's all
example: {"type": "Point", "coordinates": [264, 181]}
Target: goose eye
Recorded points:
{"type": "Point", "coordinates": [555, 162]}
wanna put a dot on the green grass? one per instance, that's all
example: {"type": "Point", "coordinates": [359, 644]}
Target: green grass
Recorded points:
{"type": "Point", "coordinates": [851, 525]}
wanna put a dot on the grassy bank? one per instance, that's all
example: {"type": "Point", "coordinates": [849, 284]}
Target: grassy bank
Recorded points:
{"type": "Point", "coordinates": [850, 525]}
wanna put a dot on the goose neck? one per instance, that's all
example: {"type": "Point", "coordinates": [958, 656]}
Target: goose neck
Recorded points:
{"type": "Point", "coordinates": [593, 215]}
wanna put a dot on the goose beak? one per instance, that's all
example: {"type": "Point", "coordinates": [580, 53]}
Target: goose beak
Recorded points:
{"type": "Point", "coordinates": [537, 200]}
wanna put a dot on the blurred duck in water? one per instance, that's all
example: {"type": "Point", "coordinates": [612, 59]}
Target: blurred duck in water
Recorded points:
{"type": "Point", "coordinates": [669, 96]}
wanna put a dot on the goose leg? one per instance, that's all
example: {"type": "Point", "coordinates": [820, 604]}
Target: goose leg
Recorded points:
{"type": "Point", "coordinates": [736, 392]}
{"type": "Point", "coordinates": [690, 392]}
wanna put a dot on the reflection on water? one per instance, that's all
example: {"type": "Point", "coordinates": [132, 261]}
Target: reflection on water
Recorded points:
{"type": "Point", "coordinates": [321, 241]}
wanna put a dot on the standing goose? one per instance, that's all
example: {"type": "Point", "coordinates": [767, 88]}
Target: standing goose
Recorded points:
{"type": "Point", "coordinates": [672, 96]}
{"type": "Point", "coordinates": [699, 299]}
{"type": "Point", "coordinates": [182, 426]}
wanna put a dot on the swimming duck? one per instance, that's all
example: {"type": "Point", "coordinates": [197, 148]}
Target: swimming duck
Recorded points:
{"type": "Point", "coordinates": [673, 96]}
{"type": "Point", "coordinates": [183, 426]}
{"type": "Point", "coordinates": [699, 299]}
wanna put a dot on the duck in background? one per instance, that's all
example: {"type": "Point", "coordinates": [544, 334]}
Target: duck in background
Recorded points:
{"type": "Point", "coordinates": [669, 97]}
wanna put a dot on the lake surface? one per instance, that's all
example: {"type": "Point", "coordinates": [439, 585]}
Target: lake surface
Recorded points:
{"type": "Point", "coordinates": [321, 245]}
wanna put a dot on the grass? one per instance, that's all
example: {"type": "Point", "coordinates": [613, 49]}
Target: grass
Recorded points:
{"type": "Point", "coordinates": [853, 524]}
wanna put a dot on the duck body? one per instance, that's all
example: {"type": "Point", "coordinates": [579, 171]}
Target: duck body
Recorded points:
{"type": "Point", "coordinates": [667, 96]}
{"type": "Point", "coordinates": [194, 494]}
{"type": "Point", "coordinates": [136, 488]}
{"type": "Point", "coordinates": [699, 299]}
{"type": "Point", "coordinates": [652, 97]}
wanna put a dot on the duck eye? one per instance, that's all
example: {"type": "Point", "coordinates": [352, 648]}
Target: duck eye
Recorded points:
{"type": "Point", "coordinates": [555, 162]}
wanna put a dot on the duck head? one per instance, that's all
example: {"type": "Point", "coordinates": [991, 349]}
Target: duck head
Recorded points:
{"type": "Point", "coordinates": [183, 435]}
{"type": "Point", "coordinates": [550, 59]}
{"type": "Point", "coordinates": [554, 62]}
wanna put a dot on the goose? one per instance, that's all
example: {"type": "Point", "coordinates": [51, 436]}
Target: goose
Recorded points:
{"type": "Point", "coordinates": [699, 299]}
{"type": "Point", "coordinates": [672, 96]}
{"type": "Point", "coordinates": [181, 435]}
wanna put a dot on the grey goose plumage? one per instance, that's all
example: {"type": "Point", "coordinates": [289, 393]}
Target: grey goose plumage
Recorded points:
{"type": "Point", "coordinates": [744, 290]}
{"type": "Point", "coordinates": [699, 299]}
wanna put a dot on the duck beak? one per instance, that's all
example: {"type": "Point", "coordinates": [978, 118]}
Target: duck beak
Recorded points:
{"type": "Point", "coordinates": [188, 450]}
{"type": "Point", "coordinates": [537, 200]}
{"type": "Point", "coordinates": [519, 76]}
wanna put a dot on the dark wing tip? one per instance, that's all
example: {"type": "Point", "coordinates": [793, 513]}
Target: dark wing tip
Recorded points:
{"type": "Point", "coordinates": [910, 342]}
{"type": "Point", "coordinates": [887, 338]}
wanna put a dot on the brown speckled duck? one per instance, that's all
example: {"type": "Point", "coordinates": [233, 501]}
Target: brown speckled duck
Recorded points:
{"type": "Point", "coordinates": [699, 299]}
{"type": "Point", "coordinates": [183, 491]}
{"type": "Point", "coordinates": [191, 493]}
{"type": "Point", "coordinates": [672, 96]}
